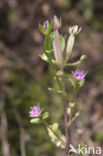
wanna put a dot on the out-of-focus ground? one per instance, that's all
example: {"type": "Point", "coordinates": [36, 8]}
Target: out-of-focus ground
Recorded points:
{"type": "Point", "coordinates": [24, 76]}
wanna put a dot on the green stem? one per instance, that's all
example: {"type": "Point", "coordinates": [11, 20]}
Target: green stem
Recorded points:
{"type": "Point", "coordinates": [73, 101]}
{"type": "Point", "coordinates": [54, 73]}
{"type": "Point", "coordinates": [47, 125]}
{"type": "Point", "coordinates": [65, 99]}
{"type": "Point", "coordinates": [74, 64]}
{"type": "Point", "coordinates": [66, 128]}
{"type": "Point", "coordinates": [48, 48]}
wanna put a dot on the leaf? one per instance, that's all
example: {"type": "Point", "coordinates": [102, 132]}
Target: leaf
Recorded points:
{"type": "Point", "coordinates": [44, 57]}
{"type": "Point", "coordinates": [77, 114]}
{"type": "Point", "coordinates": [52, 35]}
{"type": "Point", "coordinates": [72, 82]}
{"type": "Point", "coordinates": [45, 115]}
{"type": "Point", "coordinates": [35, 120]}
{"type": "Point", "coordinates": [48, 44]}
{"type": "Point", "coordinates": [58, 143]}
{"type": "Point", "coordinates": [81, 83]}
{"type": "Point", "coordinates": [54, 138]}
{"type": "Point", "coordinates": [68, 110]}
{"type": "Point", "coordinates": [55, 126]}
{"type": "Point", "coordinates": [50, 27]}
{"type": "Point", "coordinates": [72, 104]}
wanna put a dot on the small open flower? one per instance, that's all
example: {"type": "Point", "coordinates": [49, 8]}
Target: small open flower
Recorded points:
{"type": "Point", "coordinates": [79, 75]}
{"type": "Point", "coordinates": [45, 24]}
{"type": "Point", "coordinates": [35, 112]}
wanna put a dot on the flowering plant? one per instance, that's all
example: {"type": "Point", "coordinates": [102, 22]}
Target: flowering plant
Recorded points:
{"type": "Point", "coordinates": [57, 53]}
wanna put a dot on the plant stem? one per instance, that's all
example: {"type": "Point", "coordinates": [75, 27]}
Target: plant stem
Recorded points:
{"type": "Point", "coordinates": [66, 128]}
{"type": "Point", "coordinates": [48, 48]}
{"type": "Point", "coordinates": [73, 64]}
{"type": "Point", "coordinates": [54, 73]}
{"type": "Point", "coordinates": [47, 125]}
{"type": "Point", "coordinates": [65, 99]}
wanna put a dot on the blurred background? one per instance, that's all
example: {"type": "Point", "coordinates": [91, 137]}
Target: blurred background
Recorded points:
{"type": "Point", "coordinates": [24, 77]}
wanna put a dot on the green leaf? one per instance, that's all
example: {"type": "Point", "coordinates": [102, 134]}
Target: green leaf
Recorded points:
{"type": "Point", "coordinates": [35, 120]}
{"type": "Point", "coordinates": [72, 104]}
{"type": "Point", "coordinates": [49, 51]}
{"type": "Point", "coordinates": [77, 114]}
{"type": "Point", "coordinates": [72, 82]}
{"type": "Point", "coordinates": [81, 83]}
{"type": "Point", "coordinates": [69, 110]}
{"type": "Point", "coordinates": [55, 126]}
{"type": "Point", "coordinates": [58, 143]}
{"type": "Point", "coordinates": [54, 138]}
{"type": "Point", "coordinates": [52, 35]}
{"type": "Point", "coordinates": [48, 44]}
{"type": "Point", "coordinates": [45, 115]}
{"type": "Point", "coordinates": [50, 27]}
{"type": "Point", "coordinates": [44, 57]}
{"type": "Point", "coordinates": [62, 41]}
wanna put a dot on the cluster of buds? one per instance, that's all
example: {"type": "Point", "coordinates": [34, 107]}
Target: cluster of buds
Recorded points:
{"type": "Point", "coordinates": [57, 42]}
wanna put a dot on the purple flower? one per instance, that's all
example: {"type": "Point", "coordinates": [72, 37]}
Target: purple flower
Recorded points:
{"type": "Point", "coordinates": [45, 24]}
{"type": "Point", "coordinates": [35, 112]}
{"type": "Point", "coordinates": [79, 75]}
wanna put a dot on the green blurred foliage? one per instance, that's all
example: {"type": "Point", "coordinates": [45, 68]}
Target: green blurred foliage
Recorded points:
{"type": "Point", "coordinates": [22, 94]}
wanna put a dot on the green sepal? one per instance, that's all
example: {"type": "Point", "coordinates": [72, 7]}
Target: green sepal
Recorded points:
{"type": "Point", "coordinates": [44, 57]}
{"type": "Point", "coordinates": [43, 30]}
{"type": "Point", "coordinates": [81, 83]}
{"type": "Point", "coordinates": [45, 115]}
{"type": "Point", "coordinates": [52, 35]}
{"type": "Point", "coordinates": [35, 120]}
{"type": "Point", "coordinates": [50, 27]}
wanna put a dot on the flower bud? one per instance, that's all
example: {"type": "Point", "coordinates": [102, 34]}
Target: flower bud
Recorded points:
{"type": "Point", "coordinates": [74, 30]}
{"type": "Point", "coordinates": [69, 48]}
{"type": "Point", "coordinates": [56, 23]}
{"type": "Point", "coordinates": [46, 24]}
{"type": "Point", "coordinates": [57, 48]}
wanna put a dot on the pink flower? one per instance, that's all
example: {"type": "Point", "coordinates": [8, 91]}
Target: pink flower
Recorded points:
{"type": "Point", "coordinates": [35, 112]}
{"type": "Point", "coordinates": [79, 75]}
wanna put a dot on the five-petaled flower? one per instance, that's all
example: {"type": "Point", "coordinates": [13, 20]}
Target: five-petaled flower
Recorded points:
{"type": "Point", "coordinates": [45, 24]}
{"type": "Point", "coordinates": [35, 112]}
{"type": "Point", "coordinates": [79, 75]}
